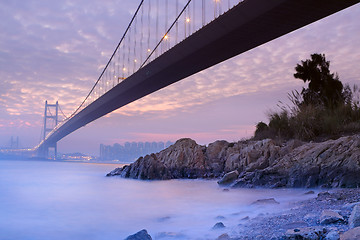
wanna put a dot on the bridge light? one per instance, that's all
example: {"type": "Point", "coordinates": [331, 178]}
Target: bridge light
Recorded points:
{"type": "Point", "coordinates": [166, 37]}
{"type": "Point", "coordinates": [135, 60]}
{"type": "Point", "coordinates": [124, 69]}
{"type": "Point", "coordinates": [149, 50]}
{"type": "Point", "coordinates": [187, 19]}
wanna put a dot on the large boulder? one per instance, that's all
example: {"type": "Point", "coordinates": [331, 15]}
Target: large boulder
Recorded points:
{"type": "Point", "coordinates": [352, 234]}
{"type": "Point", "coordinates": [141, 235]}
{"type": "Point", "coordinates": [215, 156]}
{"type": "Point", "coordinates": [333, 163]}
{"type": "Point", "coordinates": [228, 178]}
{"type": "Point", "coordinates": [309, 233]}
{"type": "Point", "coordinates": [330, 216]}
{"type": "Point", "coordinates": [354, 220]}
{"type": "Point", "coordinates": [184, 159]}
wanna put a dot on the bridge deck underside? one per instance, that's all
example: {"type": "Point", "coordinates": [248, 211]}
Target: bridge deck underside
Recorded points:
{"type": "Point", "coordinates": [246, 26]}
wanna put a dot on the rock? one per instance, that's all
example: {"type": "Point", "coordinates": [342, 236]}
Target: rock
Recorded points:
{"type": "Point", "coordinates": [228, 178]}
{"type": "Point", "coordinates": [354, 220]}
{"type": "Point", "coordinates": [220, 217]}
{"type": "Point", "coordinates": [309, 233]}
{"type": "Point", "coordinates": [332, 235]}
{"type": "Point", "coordinates": [215, 156]}
{"type": "Point", "coordinates": [350, 205]}
{"type": "Point", "coordinates": [332, 163]}
{"type": "Point", "coordinates": [330, 216]}
{"type": "Point", "coordinates": [224, 236]}
{"type": "Point", "coordinates": [218, 225]}
{"type": "Point", "coordinates": [141, 235]}
{"type": "Point", "coordinates": [266, 201]}
{"type": "Point", "coordinates": [309, 192]}
{"type": "Point", "coordinates": [323, 194]}
{"type": "Point", "coordinates": [299, 224]}
{"type": "Point", "coordinates": [352, 234]}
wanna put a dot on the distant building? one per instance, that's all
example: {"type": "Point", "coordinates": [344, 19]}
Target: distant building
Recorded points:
{"type": "Point", "coordinates": [130, 151]}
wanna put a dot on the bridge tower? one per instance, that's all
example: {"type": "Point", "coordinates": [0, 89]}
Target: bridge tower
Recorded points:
{"type": "Point", "coordinates": [50, 121]}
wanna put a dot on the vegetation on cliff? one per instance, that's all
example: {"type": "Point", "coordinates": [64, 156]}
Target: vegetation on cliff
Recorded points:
{"type": "Point", "coordinates": [325, 109]}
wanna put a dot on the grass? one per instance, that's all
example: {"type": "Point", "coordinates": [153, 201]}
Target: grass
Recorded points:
{"type": "Point", "coordinates": [312, 122]}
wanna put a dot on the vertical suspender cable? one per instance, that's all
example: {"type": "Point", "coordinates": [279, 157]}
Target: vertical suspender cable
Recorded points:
{"type": "Point", "coordinates": [129, 52]}
{"type": "Point", "coordinates": [166, 25]}
{"type": "Point", "coordinates": [149, 31]}
{"type": "Point", "coordinates": [193, 20]}
{"type": "Point", "coordinates": [220, 10]}
{"type": "Point", "coordinates": [142, 33]}
{"type": "Point", "coordinates": [203, 12]}
{"type": "Point", "coordinates": [157, 24]}
{"type": "Point", "coordinates": [185, 19]}
{"type": "Point", "coordinates": [122, 38]}
{"type": "Point", "coordinates": [172, 25]}
{"type": "Point", "coordinates": [177, 22]}
{"type": "Point", "coordinates": [134, 52]}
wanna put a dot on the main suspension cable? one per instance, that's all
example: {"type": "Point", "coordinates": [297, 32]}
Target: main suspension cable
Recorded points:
{"type": "Point", "coordinates": [167, 32]}
{"type": "Point", "coordinates": [102, 73]}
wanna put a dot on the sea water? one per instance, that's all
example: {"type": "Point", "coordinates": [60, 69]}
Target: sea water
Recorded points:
{"type": "Point", "coordinates": [42, 200]}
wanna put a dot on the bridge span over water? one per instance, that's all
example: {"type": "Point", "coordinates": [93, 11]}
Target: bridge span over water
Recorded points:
{"type": "Point", "coordinates": [244, 26]}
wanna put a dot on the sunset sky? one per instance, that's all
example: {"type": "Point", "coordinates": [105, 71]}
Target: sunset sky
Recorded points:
{"type": "Point", "coordinates": [55, 51]}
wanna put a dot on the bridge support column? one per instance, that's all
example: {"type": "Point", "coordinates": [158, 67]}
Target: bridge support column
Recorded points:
{"type": "Point", "coordinates": [50, 122]}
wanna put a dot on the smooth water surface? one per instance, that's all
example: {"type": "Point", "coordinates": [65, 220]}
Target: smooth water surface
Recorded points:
{"type": "Point", "coordinates": [66, 200]}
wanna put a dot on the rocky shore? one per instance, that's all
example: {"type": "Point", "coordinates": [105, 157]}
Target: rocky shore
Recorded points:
{"type": "Point", "coordinates": [329, 215]}
{"type": "Point", "coordinates": [266, 163]}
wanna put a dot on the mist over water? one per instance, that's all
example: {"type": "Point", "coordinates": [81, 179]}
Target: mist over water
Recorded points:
{"type": "Point", "coordinates": [66, 200]}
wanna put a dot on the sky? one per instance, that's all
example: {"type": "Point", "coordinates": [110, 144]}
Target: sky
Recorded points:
{"type": "Point", "coordinates": [56, 50]}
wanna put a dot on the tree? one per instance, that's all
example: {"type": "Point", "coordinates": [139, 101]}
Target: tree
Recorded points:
{"type": "Point", "coordinates": [324, 87]}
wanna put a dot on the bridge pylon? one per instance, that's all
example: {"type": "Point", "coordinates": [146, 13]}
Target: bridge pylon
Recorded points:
{"type": "Point", "coordinates": [50, 122]}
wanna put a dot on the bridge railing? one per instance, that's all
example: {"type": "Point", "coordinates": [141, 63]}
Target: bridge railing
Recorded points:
{"type": "Point", "coordinates": [156, 27]}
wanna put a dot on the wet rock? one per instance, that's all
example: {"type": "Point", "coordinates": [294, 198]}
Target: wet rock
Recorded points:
{"type": "Point", "coordinates": [309, 233]}
{"type": "Point", "coordinates": [220, 218]}
{"type": "Point", "coordinates": [141, 235]}
{"type": "Point", "coordinates": [218, 225]}
{"type": "Point", "coordinates": [224, 236]}
{"type": "Point", "coordinates": [332, 235]}
{"type": "Point", "coordinates": [309, 192]}
{"type": "Point", "coordinates": [352, 234]}
{"type": "Point", "coordinates": [329, 217]}
{"type": "Point", "coordinates": [266, 201]}
{"type": "Point", "coordinates": [350, 205]}
{"type": "Point", "coordinates": [229, 178]}
{"type": "Point", "coordinates": [294, 225]}
{"type": "Point", "coordinates": [354, 220]}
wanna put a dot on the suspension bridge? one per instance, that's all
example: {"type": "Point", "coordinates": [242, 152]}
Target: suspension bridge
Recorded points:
{"type": "Point", "coordinates": [166, 42]}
